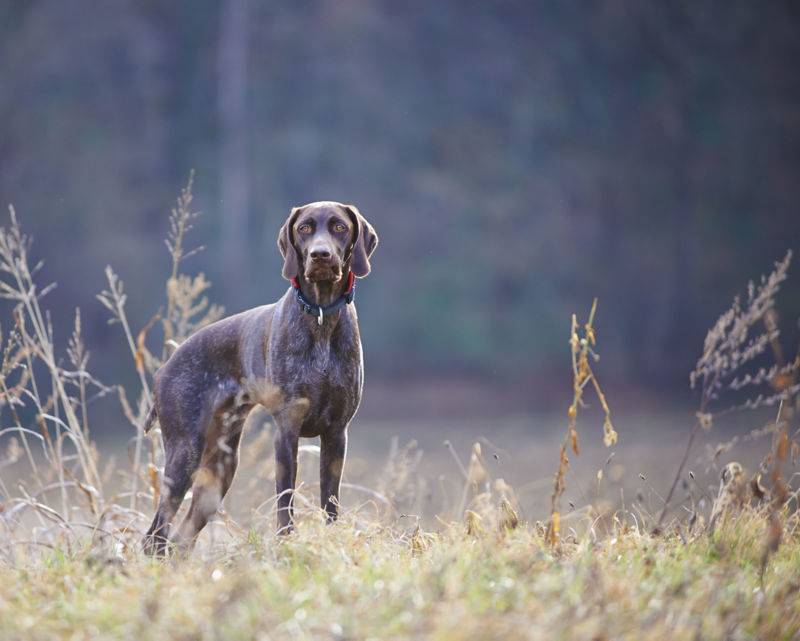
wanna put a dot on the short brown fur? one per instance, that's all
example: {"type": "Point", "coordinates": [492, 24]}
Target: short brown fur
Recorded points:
{"type": "Point", "coordinates": [308, 375]}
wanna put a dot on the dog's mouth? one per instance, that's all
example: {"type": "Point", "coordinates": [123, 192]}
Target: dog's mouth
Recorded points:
{"type": "Point", "coordinates": [323, 272]}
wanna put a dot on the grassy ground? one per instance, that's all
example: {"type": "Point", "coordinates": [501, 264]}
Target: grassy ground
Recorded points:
{"type": "Point", "coordinates": [359, 580]}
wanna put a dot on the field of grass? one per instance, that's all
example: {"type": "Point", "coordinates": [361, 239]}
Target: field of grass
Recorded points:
{"type": "Point", "coordinates": [460, 555]}
{"type": "Point", "coordinates": [360, 580]}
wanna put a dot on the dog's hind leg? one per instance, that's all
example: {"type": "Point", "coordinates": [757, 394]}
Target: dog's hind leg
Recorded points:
{"type": "Point", "coordinates": [213, 479]}
{"type": "Point", "coordinates": [179, 470]}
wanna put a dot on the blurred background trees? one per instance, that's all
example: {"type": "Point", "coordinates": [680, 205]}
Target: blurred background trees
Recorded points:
{"type": "Point", "coordinates": [518, 158]}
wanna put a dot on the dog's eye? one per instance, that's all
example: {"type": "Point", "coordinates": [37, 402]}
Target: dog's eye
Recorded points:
{"type": "Point", "coordinates": [339, 227]}
{"type": "Point", "coordinates": [304, 228]}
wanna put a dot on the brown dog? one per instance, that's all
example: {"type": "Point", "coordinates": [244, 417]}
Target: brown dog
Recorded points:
{"type": "Point", "coordinates": [300, 358]}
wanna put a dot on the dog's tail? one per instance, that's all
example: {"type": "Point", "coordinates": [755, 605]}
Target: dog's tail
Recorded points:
{"type": "Point", "coordinates": [152, 417]}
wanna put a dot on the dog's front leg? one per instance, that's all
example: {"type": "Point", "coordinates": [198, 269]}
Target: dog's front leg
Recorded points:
{"type": "Point", "coordinates": [333, 448]}
{"type": "Point", "coordinates": [285, 476]}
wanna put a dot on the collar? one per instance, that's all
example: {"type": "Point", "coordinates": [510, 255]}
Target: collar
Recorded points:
{"type": "Point", "coordinates": [317, 310]}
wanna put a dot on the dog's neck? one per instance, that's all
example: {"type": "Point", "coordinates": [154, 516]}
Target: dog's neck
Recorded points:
{"type": "Point", "coordinates": [323, 292]}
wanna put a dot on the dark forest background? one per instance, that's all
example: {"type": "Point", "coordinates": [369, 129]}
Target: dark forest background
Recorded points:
{"type": "Point", "coordinates": [517, 158]}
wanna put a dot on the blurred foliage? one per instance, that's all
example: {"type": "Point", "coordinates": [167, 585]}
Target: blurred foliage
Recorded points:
{"type": "Point", "coordinates": [518, 158]}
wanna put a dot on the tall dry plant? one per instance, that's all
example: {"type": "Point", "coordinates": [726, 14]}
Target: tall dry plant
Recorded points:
{"type": "Point", "coordinates": [582, 348]}
{"type": "Point", "coordinates": [44, 399]}
{"type": "Point", "coordinates": [46, 403]}
{"type": "Point", "coordinates": [725, 367]}
{"type": "Point", "coordinates": [187, 310]}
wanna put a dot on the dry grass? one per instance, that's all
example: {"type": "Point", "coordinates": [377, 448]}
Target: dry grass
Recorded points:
{"type": "Point", "coordinates": [363, 579]}
{"type": "Point", "coordinates": [69, 531]}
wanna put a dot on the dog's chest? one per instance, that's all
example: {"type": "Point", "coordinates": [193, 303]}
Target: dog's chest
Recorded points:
{"type": "Point", "coordinates": [328, 374]}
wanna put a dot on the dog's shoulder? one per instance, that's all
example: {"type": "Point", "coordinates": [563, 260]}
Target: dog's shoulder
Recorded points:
{"type": "Point", "coordinates": [220, 341]}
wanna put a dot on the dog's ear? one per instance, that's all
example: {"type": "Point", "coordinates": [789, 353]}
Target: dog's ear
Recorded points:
{"type": "Point", "coordinates": [365, 240]}
{"type": "Point", "coordinates": [291, 266]}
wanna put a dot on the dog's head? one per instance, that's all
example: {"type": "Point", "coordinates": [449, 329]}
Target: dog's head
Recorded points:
{"type": "Point", "coordinates": [323, 240]}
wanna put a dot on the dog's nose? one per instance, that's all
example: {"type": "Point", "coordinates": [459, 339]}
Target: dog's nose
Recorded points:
{"type": "Point", "coordinates": [320, 253]}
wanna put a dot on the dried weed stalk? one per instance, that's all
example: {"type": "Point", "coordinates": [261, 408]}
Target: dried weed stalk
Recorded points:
{"type": "Point", "coordinates": [581, 349]}
{"type": "Point", "coordinates": [781, 445]}
{"type": "Point", "coordinates": [400, 483]}
{"type": "Point", "coordinates": [46, 401]}
{"type": "Point", "coordinates": [36, 388]}
{"type": "Point", "coordinates": [732, 344]}
{"type": "Point", "coordinates": [187, 310]}
{"type": "Point", "coordinates": [185, 302]}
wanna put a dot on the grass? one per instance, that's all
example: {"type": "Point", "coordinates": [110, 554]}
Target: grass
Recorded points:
{"type": "Point", "coordinates": [359, 579]}
{"type": "Point", "coordinates": [71, 522]}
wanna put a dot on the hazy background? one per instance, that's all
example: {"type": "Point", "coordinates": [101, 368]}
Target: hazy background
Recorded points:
{"type": "Point", "coordinates": [517, 159]}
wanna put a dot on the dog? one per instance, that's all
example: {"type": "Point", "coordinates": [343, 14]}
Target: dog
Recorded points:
{"type": "Point", "coordinates": [299, 357]}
